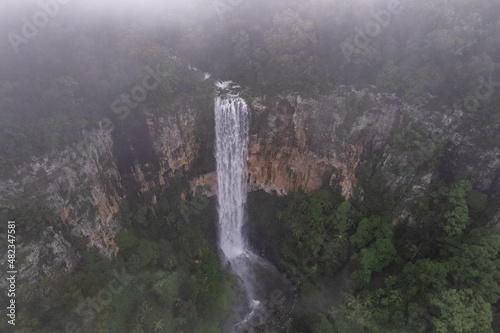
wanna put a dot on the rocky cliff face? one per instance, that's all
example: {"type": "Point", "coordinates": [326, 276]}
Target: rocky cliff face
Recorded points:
{"type": "Point", "coordinates": [295, 144]}
{"type": "Point", "coordinates": [87, 182]}
{"type": "Point", "coordinates": [303, 143]}
{"type": "Point", "coordinates": [82, 184]}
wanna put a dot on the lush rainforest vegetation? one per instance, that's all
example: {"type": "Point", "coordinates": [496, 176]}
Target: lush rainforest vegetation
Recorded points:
{"type": "Point", "coordinates": [439, 272]}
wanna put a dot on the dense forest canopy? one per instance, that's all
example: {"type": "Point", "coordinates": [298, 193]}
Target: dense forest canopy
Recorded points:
{"type": "Point", "coordinates": [60, 79]}
{"type": "Point", "coordinates": [80, 70]}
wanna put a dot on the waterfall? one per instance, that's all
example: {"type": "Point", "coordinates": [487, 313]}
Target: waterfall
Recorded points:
{"type": "Point", "coordinates": [231, 151]}
{"type": "Point", "coordinates": [257, 276]}
{"type": "Point", "coordinates": [231, 122]}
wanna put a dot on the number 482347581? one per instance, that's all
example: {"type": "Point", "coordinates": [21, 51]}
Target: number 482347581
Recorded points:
{"type": "Point", "coordinates": [11, 240]}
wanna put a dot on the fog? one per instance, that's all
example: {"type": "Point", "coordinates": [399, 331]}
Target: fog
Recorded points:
{"type": "Point", "coordinates": [125, 7]}
{"type": "Point", "coordinates": [382, 114]}
{"type": "Point", "coordinates": [24, 24]}
{"type": "Point", "coordinates": [12, 12]}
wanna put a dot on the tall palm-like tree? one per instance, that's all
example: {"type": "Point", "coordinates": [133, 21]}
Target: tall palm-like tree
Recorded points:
{"type": "Point", "coordinates": [341, 238]}
{"type": "Point", "coordinates": [395, 296]}
{"type": "Point", "coordinates": [138, 326]}
{"type": "Point", "coordinates": [178, 302]}
{"type": "Point", "coordinates": [180, 320]}
{"type": "Point", "coordinates": [143, 311]}
{"type": "Point", "coordinates": [328, 205]}
{"type": "Point", "coordinates": [413, 250]}
{"type": "Point", "coordinates": [297, 233]}
{"type": "Point", "coordinates": [368, 302]}
{"type": "Point", "coordinates": [160, 325]}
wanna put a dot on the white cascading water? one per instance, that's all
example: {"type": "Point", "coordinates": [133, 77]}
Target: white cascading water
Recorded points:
{"type": "Point", "coordinates": [231, 152]}
{"type": "Point", "coordinates": [231, 123]}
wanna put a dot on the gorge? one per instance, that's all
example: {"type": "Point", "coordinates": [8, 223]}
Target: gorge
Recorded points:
{"type": "Point", "coordinates": [294, 144]}
{"type": "Point", "coordinates": [231, 151]}
{"type": "Point", "coordinates": [289, 190]}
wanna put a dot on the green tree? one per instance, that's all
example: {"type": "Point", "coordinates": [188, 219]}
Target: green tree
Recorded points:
{"type": "Point", "coordinates": [371, 228]}
{"type": "Point", "coordinates": [462, 312]}
{"type": "Point", "coordinates": [342, 216]}
{"type": "Point", "coordinates": [166, 287]}
{"type": "Point", "coordinates": [126, 240]}
{"type": "Point", "coordinates": [289, 51]}
{"type": "Point", "coordinates": [323, 326]}
{"type": "Point", "coordinates": [377, 256]}
{"type": "Point", "coordinates": [148, 251]}
{"type": "Point", "coordinates": [457, 218]}
{"type": "Point", "coordinates": [424, 277]}
{"type": "Point", "coordinates": [476, 200]}
{"type": "Point", "coordinates": [388, 78]}
{"type": "Point", "coordinates": [352, 316]}
{"type": "Point", "coordinates": [32, 208]}
{"type": "Point", "coordinates": [476, 263]}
